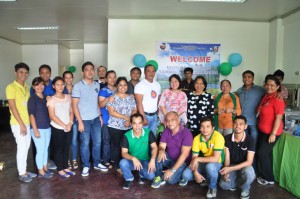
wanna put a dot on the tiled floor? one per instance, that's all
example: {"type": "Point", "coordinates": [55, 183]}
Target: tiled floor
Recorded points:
{"type": "Point", "coordinates": [103, 185]}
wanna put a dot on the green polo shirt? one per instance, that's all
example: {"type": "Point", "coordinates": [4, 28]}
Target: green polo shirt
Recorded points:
{"type": "Point", "coordinates": [138, 147]}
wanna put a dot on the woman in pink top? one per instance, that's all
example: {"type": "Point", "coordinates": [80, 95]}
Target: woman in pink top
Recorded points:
{"type": "Point", "coordinates": [173, 99]}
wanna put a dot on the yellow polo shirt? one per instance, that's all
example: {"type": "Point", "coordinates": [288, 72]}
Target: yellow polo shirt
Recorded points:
{"type": "Point", "coordinates": [21, 95]}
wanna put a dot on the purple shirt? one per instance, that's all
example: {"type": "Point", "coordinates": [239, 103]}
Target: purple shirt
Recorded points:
{"type": "Point", "coordinates": [174, 143]}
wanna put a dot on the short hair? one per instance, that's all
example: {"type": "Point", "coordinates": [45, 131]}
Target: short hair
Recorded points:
{"type": "Point", "coordinates": [86, 64]}
{"type": "Point", "coordinates": [110, 71]}
{"type": "Point", "coordinates": [121, 79]}
{"type": "Point", "coordinates": [21, 65]}
{"type": "Point", "coordinates": [136, 115]}
{"type": "Point", "coordinates": [279, 73]}
{"type": "Point", "coordinates": [203, 80]}
{"type": "Point", "coordinates": [248, 72]}
{"type": "Point", "coordinates": [67, 72]}
{"type": "Point", "coordinates": [273, 78]}
{"type": "Point", "coordinates": [225, 80]}
{"type": "Point", "coordinates": [102, 67]}
{"type": "Point", "coordinates": [36, 81]}
{"type": "Point", "coordinates": [207, 119]}
{"type": "Point", "coordinates": [136, 68]}
{"type": "Point", "coordinates": [240, 117]}
{"type": "Point", "coordinates": [188, 69]}
{"type": "Point", "coordinates": [44, 66]}
{"type": "Point", "coordinates": [57, 78]}
{"type": "Point", "coordinates": [178, 79]}
{"type": "Point", "coordinates": [148, 66]}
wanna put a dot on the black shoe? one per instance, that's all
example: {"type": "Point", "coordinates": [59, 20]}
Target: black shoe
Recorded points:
{"type": "Point", "coordinates": [141, 180]}
{"type": "Point", "coordinates": [127, 184]}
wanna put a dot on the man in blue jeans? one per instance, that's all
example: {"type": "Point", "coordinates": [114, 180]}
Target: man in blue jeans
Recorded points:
{"type": "Point", "coordinates": [174, 151]}
{"type": "Point", "coordinates": [239, 155]}
{"type": "Point", "coordinates": [88, 115]}
{"type": "Point", "coordinates": [135, 152]}
{"type": "Point", "coordinates": [207, 158]}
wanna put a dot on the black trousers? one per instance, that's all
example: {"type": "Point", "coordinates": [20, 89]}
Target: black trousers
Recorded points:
{"type": "Point", "coordinates": [265, 157]}
{"type": "Point", "coordinates": [61, 142]}
{"type": "Point", "coordinates": [116, 136]}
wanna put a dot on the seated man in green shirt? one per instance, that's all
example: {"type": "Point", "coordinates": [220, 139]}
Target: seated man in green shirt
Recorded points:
{"type": "Point", "coordinates": [135, 152]}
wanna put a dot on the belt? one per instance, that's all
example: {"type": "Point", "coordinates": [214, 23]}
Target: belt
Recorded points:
{"type": "Point", "coordinates": [150, 114]}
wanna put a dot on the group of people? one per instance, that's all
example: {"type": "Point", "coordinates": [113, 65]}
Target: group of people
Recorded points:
{"type": "Point", "coordinates": [205, 137]}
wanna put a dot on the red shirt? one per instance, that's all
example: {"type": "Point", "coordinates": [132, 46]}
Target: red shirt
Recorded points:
{"type": "Point", "coordinates": [268, 108]}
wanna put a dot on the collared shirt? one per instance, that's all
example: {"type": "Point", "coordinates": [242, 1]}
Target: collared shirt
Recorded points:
{"type": "Point", "coordinates": [249, 100]}
{"type": "Point", "coordinates": [206, 148]}
{"type": "Point", "coordinates": [239, 150]}
{"type": "Point", "coordinates": [105, 92]}
{"type": "Point", "coordinates": [174, 142]}
{"type": "Point", "coordinates": [101, 83]}
{"type": "Point", "coordinates": [88, 99]}
{"type": "Point", "coordinates": [138, 146]}
{"type": "Point", "coordinates": [21, 95]}
{"type": "Point", "coordinates": [38, 108]}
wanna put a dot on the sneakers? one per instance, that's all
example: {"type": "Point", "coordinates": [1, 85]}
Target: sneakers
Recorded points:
{"type": "Point", "coordinates": [212, 193]}
{"type": "Point", "coordinates": [264, 182]}
{"type": "Point", "coordinates": [127, 184]}
{"type": "Point", "coordinates": [25, 178]}
{"type": "Point", "coordinates": [101, 167]}
{"type": "Point", "coordinates": [245, 194]}
{"type": "Point", "coordinates": [31, 175]}
{"type": "Point", "coordinates": [203, 183]}
{"type": "Point", "coordinates": [141, 180]}
{"type": "Point", "coordinates": [85, 171]}
{"type": "Point", "coordinates": [183, 182]}
{"type": "Point", "coordinates": [46, 175]}
{"type": "Point", "coordinates": [232, 189]}
{"type": "Point", "coordinates": [157, 182]}
{"type": "Point", "coordinates": [51, 165]}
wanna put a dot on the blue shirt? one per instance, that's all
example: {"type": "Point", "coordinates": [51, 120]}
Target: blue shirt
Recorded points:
{"type": "Point", "coordinates": [88, 99]}
{"type": "Point", "coordinates": [48, 90]}
{"type": "Point", "coordinates": [38, 108]}
{"type": "Point", "coordinates": [249, 100]}
{"type": "Point", "coordinates": [105, 92]}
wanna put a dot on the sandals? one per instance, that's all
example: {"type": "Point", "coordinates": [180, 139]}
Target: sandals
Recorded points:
{"type": "Point", "coordinates": [75, 165]}
{"type": "Point", "coordinates": [65, 175]}
{"type": "Point", "coordinates": [71, 173]}
{"type": "Point", "coordinates": [69, 165]}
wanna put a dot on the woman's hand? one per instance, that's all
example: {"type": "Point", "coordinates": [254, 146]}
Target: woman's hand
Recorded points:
{"type": "Point", "coordinates": [37, 134]}
{"type": "Point", "coordinates": [272, 138]}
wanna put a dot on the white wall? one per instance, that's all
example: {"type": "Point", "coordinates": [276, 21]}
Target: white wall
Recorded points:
{"type": "Point", "coordinates": [63, 59]}
{"type": "Point", "coordinates": [276, 45]}
{"type": "Point", "coordinates": [127, 37]}
{"type": "Point", "coordinates": [10, 55]}
{"type": "Point", "coordinates": [76, 59]}
{"type": "Point", "coordinates": [36, 55]}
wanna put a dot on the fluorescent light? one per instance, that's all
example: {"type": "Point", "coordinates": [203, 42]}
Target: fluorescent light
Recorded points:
{"type": "Point", "coordinates": [8, 0]}
{"type": "Point", "coordinates": [59, 40]}
{"type": "Point", "coordinates": [39, 28]}
{"type": "Point", "coordinates": [224, 1]}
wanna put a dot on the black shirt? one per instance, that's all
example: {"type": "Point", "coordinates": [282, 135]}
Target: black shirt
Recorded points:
{"type": "Point", "coordinates": [187, 87]}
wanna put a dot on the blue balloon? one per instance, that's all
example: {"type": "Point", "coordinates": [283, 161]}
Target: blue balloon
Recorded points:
{"type": "Point", "coordinates": [139, 60]}
{"type": "Point", "coordinates": [235, 59]}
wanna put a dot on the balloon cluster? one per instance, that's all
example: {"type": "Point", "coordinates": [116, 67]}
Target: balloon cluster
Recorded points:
{"type": "Point", "coordinates": [140, 61]}
{"type": "Point", "coordinates": [234, 60]}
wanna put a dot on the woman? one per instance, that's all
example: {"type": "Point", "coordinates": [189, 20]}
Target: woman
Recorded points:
{"type": "Point", "coordinates": [104, 95]}
{"type": "Point", "coordinates": [270, 112]}
{"type": "Point", "coordinates": [61, 116]}
{"type": "Point", "coordinates": [120, 107]}
{"type": "Point", "coordinates": [40, 126]}
{"type": "Point", "coordinates": [68, 78]}
{"type": "Point", "coordinates": [200, 104]}
{"type": "Point", "coordinates": [227, 106]}
{"type": "Point", "coordinates": [173, 99]}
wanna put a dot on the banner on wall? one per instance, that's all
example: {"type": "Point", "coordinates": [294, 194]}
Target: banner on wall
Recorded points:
{"type": "Point", "coordinates": [173, 58]}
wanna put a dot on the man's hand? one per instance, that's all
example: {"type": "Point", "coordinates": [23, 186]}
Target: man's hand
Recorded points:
{"type": "Point", "coordinates": [137, 164]}
{"type": "Point", "coordinates": [225, 170]}
{"type": "Point", "coordinates": [23, 130]}
{"type": "Point", "coordinates": [198, 177]}
{"type": "Point", "coordinates": [151, 166]}
{"type": "Point", "coordinates": [168, 174]}
{"type": "Point", "coordinates": [80, 127]}
{"type": "Point", "coordinates": [145, 121]}
{"type": "Point", "coordinates": [194, 164]}
{"type": "Point", "coordinates": [161, 156]}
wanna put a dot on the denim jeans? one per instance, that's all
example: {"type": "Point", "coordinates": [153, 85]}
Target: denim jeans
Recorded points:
{"type": "Point", "coordinates": [92, 130]}
{"type": "Point", "coordinates": [209, 170]}
{"type": "Point", "coordinates": [169, 163]}
{"type": "Point", "coordinates": [152, 123]}
{"type": "Point", "coordinates": [127, 166]}
{"type": "Point", "coordinates": [241, 178]}
{"type": "Point", "coordinates": [74, 140]}
{"type": "Point", "coordinates": [105, 144]}
{"type": "Point", "coordinates": [41, 144]}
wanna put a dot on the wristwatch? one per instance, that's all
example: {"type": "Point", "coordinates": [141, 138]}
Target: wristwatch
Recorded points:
{"type": "Point", "coordinates": [173, 170]}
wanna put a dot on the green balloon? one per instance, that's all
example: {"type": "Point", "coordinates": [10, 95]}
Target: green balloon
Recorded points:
{"type": "Point", "coordinates": [152, 63]}
{"type": "Point", "coordinates": [225, 68]}
{"type": "Point", "coordinates": [72, 69]}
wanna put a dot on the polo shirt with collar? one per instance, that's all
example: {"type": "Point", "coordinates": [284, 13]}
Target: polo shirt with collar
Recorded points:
{"type": "Point", "coordinates": [138, 146]}
{"type": "Point", "coordinates": [239, 150]}
{"type": "Point", "coordinates": [21, 95]}
{"type": "Point", "coordinates": [88, 99]}
{"type": "Point", "coordinates": [38, 108]}
{"type": "Point", "coordinates": [206, 148]}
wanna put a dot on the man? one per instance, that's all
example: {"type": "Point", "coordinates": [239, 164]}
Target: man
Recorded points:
{"type": "Point", "coordinates": [174, 151]}
{"type": "Point", "coordinates": [86, 110]}
{"type": "Point", "coordinates": [135, 75]}
{"type": "Point", "coordinates": [188, 82]}
{"type": "Point", "coordinates": [101, 72]}
{"type": "Point", "coordinates": [207, 158]}
{"type": "Point", "coordinates": [239, 155]}
{"type": "Point", "coordinates": [279, 74]}
{"type": "Point", "coordinates": [45, 74]}
{"type": "Point", "coordinates": [17, 94]}
{"type": "Point", "coordinates": [147, 93]}
{"type": "Point", "coordinates": [135, 152]}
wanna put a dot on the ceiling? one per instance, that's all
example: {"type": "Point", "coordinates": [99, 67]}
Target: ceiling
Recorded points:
{"type": "Point", "coordinates": [87, 20]}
